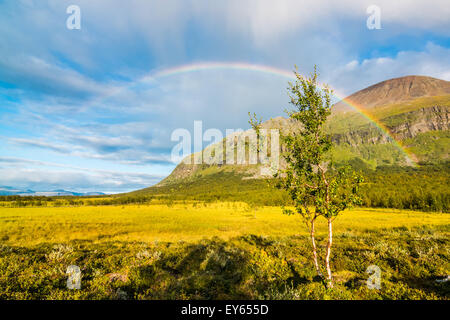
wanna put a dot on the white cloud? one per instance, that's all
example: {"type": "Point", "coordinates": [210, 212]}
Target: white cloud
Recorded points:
{"type": "Point", "coordinates": [43, 77]}
{"type": "Point", "coordinates": [39, 143]}
{"type": "Point", "coordinates": [434, 61]}
{"type": "Point", "coordinates": [45, 176]}
{"type": "Point", "coordinates": [268, 20]}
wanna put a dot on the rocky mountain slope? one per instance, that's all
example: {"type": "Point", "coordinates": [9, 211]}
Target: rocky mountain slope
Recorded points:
{"type": "Point", "coordinates": [396, 90]}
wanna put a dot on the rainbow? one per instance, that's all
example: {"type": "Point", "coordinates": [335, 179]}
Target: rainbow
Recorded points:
{"type": "Point", "coordinates": [202, 66]}
{"type": "Point", "coordinates": [411, 157]}
{"type": "Point", "coordinates": [281, 73]}
{"type": "Point", "coordinates": [224, 66]}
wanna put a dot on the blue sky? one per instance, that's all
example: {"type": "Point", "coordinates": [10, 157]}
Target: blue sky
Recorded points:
{"type": "Point", "coordinates": [75, 113]}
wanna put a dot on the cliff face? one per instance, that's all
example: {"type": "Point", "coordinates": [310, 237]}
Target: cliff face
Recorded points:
{"type": "Point", "coordinates": [403, 126]}
{"type": "Point", "coordinates": [426, 119]}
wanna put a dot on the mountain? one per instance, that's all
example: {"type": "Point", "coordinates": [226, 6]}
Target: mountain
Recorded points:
{"type": "Point", "coordinates": [6, 191]}
{"type": "Point", "coordinates": [10, 191]}
{"type": "Point", "coordinates": [395, 91]}
{"type": "Point", "coordinates": [401, 122]}
{"type": "Point", "coordinates": [413, 113]}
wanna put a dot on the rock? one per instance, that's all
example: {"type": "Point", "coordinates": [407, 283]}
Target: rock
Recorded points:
{"type": "Point", "coordinates": [117, 277]}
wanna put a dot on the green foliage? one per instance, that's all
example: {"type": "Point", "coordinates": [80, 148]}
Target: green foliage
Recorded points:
{"type": "Point", "coordinates": [255, 123]}
{"type": "Point", "coordinates": [310, 177]}
{"type": "Point", "coordinates": [63, 201]}
{"type": "Point", "coordinates": [424, 188]}
{"type": "Point", "coordinates": [220, 186]}
{"type": "Point", "coordinates": [431, 146]}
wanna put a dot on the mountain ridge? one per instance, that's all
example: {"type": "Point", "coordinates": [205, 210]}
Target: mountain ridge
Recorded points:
{"type": "Point", "coordinates": [395, 90]}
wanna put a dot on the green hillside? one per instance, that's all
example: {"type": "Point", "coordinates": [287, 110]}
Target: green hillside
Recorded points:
{"type": "Point", "coordinates": [421, 126]}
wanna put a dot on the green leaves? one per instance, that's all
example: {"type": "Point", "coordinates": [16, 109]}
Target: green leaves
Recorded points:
{"type": "Point", "coordinates": [311, 104]}
{"type": "Point", "coordinates": [311, 180]}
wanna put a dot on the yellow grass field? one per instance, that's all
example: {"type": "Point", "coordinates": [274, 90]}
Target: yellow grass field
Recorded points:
{"type": "Point", "coordinates": [186, 222]}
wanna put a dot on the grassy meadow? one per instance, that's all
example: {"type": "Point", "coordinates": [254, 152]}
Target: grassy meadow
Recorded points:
{"type": "Point", "coordinates": [217, 250]}
{"type": "Point", "coordinates": [185, 222]}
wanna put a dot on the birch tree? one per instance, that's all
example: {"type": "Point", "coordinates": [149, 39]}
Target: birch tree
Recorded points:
{"type": "Point", "coordinates": [316, 187]}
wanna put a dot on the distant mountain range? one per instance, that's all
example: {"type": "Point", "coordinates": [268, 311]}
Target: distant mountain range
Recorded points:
{"type": "Point", "coordinates": [9, 191]}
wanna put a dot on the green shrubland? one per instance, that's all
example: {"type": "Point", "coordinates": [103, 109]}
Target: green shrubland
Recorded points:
{"type": "Point", "coordinates": [245, 267]}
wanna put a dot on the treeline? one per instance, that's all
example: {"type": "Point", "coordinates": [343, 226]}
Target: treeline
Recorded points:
{"type": "Point", "coordinates": [425, 188]}
{"type": "Point", "coordinates": [429, 201]}
{"type": "Point", "coordinates": [40, 201]}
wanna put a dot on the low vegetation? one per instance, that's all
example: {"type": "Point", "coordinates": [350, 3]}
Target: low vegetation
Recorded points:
{"type": "Point", "coordinates": [217, 251]}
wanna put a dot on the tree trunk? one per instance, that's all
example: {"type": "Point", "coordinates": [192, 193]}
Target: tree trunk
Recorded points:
{"type": "Point", "coordinates": [313, 240]}
{"type": "Point", "coordinates": [327, 257]}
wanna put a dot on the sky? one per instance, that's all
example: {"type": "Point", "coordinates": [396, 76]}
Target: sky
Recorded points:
{"type": "Point", "coordinates": [93, 109]}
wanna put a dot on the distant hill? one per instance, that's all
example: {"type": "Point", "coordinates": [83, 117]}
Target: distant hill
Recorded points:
{"type": "Point", "coordinates": [395, 91]}
{"type": "Point", "coordinates": [10, 191]}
